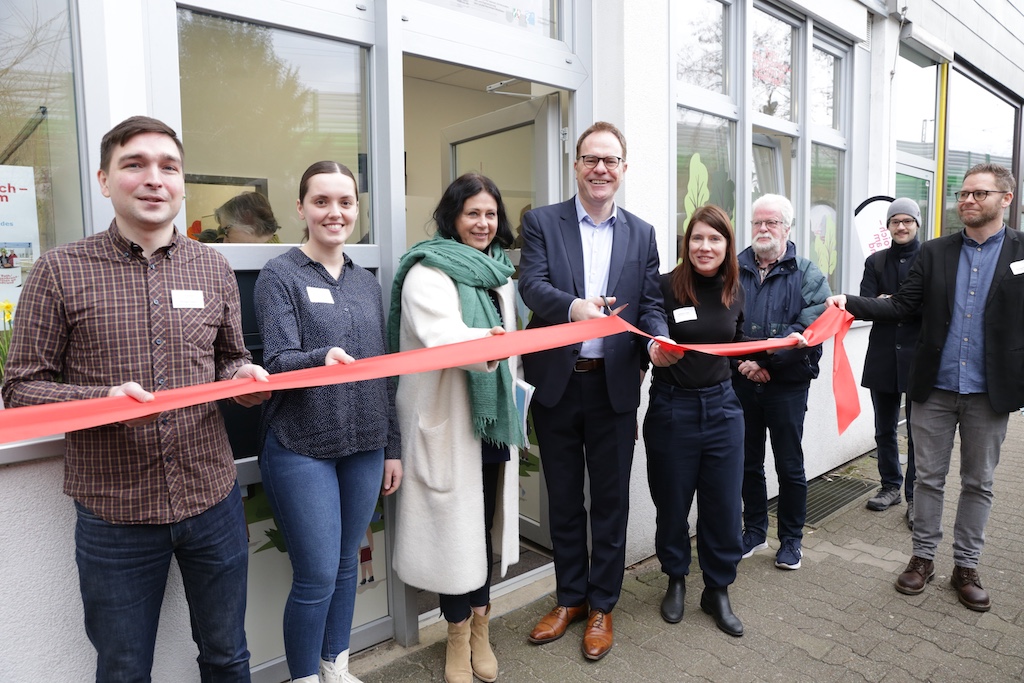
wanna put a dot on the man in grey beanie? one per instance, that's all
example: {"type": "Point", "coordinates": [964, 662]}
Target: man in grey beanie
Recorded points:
{"type": "Point", "coordinates": [890, 351]}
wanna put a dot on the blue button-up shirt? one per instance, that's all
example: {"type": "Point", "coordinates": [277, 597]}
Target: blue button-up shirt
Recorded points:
{"type": "Point", "coordinates": [962, 367]}
{"type": "Point", "coordinates": [597, 258]}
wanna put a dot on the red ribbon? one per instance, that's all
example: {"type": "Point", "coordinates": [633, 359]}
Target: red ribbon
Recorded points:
{"type": "Point", "coordinates": [30, 422]}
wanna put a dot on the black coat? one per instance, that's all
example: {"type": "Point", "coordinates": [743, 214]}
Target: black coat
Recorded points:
{"type": "Point", "coordinates": [930, 287]}
{"type": "Point", "coordinates": [891, 344]}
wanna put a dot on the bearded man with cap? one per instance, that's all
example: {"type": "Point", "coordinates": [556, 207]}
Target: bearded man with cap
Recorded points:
{"type": "Point", "coordinates": [890, 351]}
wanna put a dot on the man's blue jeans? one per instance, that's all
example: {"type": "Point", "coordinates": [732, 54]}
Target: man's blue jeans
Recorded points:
{"type": "Point", "coordinates": [322, 506]}
{"type": "Point", "coordinates": [779, 409]}
{"type": "Point", "coordinates": [122, 569]}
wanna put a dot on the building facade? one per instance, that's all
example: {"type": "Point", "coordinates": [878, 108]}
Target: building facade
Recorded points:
{"type": "Point", "coordinates": [830, 102]}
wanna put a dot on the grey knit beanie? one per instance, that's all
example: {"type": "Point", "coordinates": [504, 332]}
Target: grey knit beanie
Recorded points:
{"type": "Point", "coordinates": [904, 205]}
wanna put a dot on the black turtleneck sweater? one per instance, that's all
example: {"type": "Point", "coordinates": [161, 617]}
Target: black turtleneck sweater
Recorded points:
{"type": "Point", "coordinates": [714, 323]}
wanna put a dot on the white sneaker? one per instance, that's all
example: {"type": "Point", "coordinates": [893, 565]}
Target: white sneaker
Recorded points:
{"type": "Point", "coordinates": [337, 671]}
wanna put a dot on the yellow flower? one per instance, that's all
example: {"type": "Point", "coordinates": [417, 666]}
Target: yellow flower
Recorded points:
{"type": "Point", "coordinates": [7, 307]}
{"type": "Point", "coordinates": [7, 316]}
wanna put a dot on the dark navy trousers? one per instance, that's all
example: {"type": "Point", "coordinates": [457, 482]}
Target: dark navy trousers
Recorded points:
{"type": "Point", "coordinates": [778, 409]}
{"type": "Point", "coordinates": [583, 436]}
{"type": "Point", "coordinates": [887, 420]}
{"type": "Point", "coordinates": [694, 444]}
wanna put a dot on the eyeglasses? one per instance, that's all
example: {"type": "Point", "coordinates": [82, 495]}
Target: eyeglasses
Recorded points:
{"type": "Point", "coordinates": [771, 225]}
{"type": "Point", "coordinates": [897, 222]}
{"type": "Point", "coordinates": [591, 161]}
{"type": "Point", "coordinates": [979, 195]}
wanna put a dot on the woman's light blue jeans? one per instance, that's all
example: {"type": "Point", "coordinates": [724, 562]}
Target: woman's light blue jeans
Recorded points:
{"type": "Point", "coordinates": [322, 507]}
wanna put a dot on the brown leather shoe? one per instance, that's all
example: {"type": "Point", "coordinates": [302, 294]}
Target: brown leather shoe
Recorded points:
{"type": "Point", "coordinates": [918, 573]}
{"type": "Point", "coordinates": [598, 638]}
{"type": "Point", "coordinates": [968, 587]}
{"type": "Point", "coordinates": [552, 626]}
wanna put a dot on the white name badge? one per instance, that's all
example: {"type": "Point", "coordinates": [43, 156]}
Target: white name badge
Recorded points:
{"type": "Point", "coordinates": [319, 295]}
{"type": "Point", "coordinates": [187, 298]}
{"type": "Point", "coordinates": [1017, 267]}
{"type": "Point", "coordinates": [684, 314]}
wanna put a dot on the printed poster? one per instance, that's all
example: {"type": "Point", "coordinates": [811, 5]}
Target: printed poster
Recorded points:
{"type": "Point", "coordinates": [869, 224]}
{"type": "Point", "coordinates": [19, 229]}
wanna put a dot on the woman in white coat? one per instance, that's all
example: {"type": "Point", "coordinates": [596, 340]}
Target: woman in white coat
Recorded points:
{"type": "Point", "coordinates": [460, 426]}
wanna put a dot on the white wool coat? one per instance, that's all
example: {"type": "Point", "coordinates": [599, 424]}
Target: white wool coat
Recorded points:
{"type": "Point", "coordinates": [439, 535]}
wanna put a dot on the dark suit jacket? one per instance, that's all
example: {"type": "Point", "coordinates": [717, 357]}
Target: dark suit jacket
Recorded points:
{"type": "Point", "coordinates": [551, 276]}
{"type": "Point", "coordinates": [931, 287]}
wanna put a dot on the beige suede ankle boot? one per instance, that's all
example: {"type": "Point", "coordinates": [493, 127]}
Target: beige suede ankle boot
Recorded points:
{"type": "Point", "coordinates": [485, 664]}
{"type": "Point", "coordinates": [457, 667]}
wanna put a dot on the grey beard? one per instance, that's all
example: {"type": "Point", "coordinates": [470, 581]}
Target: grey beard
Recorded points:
{"type": "Point", "coordinates": [768, 252]}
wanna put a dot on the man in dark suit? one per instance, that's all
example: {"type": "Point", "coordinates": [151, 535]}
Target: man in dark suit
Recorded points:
{"type": "Point", "coordinates": [968, 371]}
{"type": "Point", "coordinates": [580, 257]}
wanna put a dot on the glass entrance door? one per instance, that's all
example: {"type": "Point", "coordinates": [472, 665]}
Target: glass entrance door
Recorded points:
{"type": "Point", "coordinates": [519, 149]}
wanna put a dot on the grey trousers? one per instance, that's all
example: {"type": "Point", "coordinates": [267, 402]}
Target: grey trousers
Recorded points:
{"type": "Point", "coordinates": [982, 431]}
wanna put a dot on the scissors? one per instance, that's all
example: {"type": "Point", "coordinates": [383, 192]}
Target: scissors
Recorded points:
{"type": "Point", "coordinates": [608, 309]}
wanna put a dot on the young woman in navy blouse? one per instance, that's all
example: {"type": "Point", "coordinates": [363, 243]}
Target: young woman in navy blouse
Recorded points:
{"type": "Point", "coordinates": [694, 425]}
{"type": "Point", "coordinates": [326, 449]}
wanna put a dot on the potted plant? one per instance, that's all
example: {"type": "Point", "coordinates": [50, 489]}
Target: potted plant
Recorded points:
{"type": "Point", "coordinates": [6, 329]}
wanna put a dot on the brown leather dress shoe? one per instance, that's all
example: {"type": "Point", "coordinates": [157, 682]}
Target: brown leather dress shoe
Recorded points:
{"type": "Point", "coordinates": [968, 587]}
{"type": "Point", "coordinates": [598, 638]}
{"type": "Point", "coordinates": [918, 573]}
{"type": "Point", "coordinates": [552, 626]}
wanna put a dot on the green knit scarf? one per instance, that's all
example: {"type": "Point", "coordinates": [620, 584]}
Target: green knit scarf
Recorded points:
{"type": "Point", "coordinates": [491, 394]}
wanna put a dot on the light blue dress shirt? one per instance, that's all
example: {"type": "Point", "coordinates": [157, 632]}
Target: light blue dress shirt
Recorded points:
{"type": "Point", "coordinates": [962, 366]}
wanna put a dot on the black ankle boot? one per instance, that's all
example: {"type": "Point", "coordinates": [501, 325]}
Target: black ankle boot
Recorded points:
{"type": "Point", "coordinates": [715, 601]}
{"type": "Point", "coordinates": [672, 604]}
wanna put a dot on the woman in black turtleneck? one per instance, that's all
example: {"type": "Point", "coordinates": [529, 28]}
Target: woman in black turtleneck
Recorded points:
{"type": "Point", "coordinates": [694, 425]}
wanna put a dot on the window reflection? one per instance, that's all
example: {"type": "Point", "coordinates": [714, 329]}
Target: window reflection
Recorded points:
{"type": "Point", "coordinates": [981, 128]}
{"type": "Point", "coordinates": [259, 105]}
{"type": "Point", "coordinates": [825, 218]}
{"type": "Point", "coordinates": [824, 77]}
{"type": "Point", "coordinates": [918, 189]}
{"type": "Point", "coordinates": [773, 70]}
{"type": "Point", "coordinates": [701, 60]}
{"type": "Point", "coordinates": [38, 134]}
{"type": "Point", "coordinates": [705, 161]}
{"type": "Point", "coordinates": [539, 17]}
{"type": "Point", "coordinates": [913, 94]}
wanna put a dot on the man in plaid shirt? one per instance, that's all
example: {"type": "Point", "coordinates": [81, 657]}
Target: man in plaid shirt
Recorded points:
{"type": "Point", "coordinates": [135, 309]}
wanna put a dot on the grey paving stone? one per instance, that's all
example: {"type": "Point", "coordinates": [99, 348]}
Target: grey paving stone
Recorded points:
{"type": "Point", "coordinates": [838, 618]}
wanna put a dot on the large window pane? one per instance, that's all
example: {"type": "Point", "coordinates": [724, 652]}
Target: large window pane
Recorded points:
{"type": "Point", "coordinates": [259, 105]}
{"type": "Point", "coordinates": [824, 86]}
{"type": "Point", "coordinates": [773, 65]}
{"type": "Point", "coordinates": [918, 189]}
{"type": "Point", "coordinates": [40, 185]}
{"type": "Point", "coordinates": [826, 220]}
{"type": "Point", "coordinates": [981, 127]}
{"type": "Point", "coordinates": [705, 161]}
{"type": "Point", "coordinates": [699, 28]}
{"type": "Point", "coordinates": [913, 104]}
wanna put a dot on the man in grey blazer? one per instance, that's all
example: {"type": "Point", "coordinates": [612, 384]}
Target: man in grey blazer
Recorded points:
{"type": "Point", "coordinates": [579, 258]}
{"type": "Point", "coordinates": [967, 371]}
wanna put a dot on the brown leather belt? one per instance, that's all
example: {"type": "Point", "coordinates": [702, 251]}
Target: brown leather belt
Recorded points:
{"type": "Point", "coordinates": [588, 364]}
